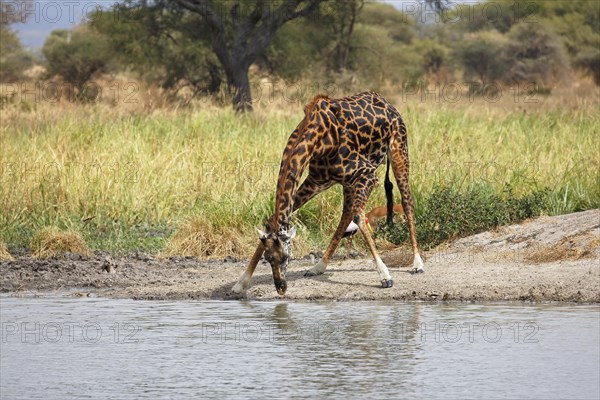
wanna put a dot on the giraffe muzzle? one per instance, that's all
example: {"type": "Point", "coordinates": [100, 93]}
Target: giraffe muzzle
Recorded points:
{"type": "Point", "coordinates": [279, 279]}
{"type": "Point", "coordinates": [280, 286]}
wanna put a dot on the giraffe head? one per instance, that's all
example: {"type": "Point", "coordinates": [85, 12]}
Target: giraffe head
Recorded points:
{"type": "Point", "coordinates": [278, 251]}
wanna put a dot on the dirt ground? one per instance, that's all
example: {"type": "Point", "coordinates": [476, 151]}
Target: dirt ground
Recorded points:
{"type": "Point", "coordinates": [546, 259]}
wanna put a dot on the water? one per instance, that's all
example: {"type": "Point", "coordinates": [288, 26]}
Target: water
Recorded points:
{"type": "Point", "coordinates": [57, 348]}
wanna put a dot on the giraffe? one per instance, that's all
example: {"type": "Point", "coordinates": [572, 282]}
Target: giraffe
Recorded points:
{"type": "Point", "coordinates": [340, 141]}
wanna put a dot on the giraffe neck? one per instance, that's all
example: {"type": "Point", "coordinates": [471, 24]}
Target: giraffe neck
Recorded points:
{"type": "Point", "coordinates": [294, 161]}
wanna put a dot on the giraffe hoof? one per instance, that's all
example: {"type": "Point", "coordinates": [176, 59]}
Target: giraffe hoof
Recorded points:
{"type": "Point", "coordinates": [417, 271]}
{"type": "Point", "coordinates": [387, 283]}
{"type": "Point", "coordinates": [238, 288]}
{"type": "Point", "coordinates": [317, 269]}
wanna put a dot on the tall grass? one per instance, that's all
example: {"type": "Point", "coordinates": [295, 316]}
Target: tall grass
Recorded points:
{"type": "Point", "coordinates": [130, 181]}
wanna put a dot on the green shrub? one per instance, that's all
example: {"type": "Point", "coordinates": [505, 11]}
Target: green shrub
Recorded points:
{"type": "Point", "coordinates": [484, 56]}
{"type": "Point", "coordinates": [448, 213]}
{"type": "Point", "coordinates": [14, 60]}
{"type": "Point", "coordinates": [536, 55]}
{"type": "Point", "coordinates": [76, 56]}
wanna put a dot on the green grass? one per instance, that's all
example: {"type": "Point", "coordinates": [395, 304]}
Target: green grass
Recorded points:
{"type": "Point", "coordinates": [130, 181]}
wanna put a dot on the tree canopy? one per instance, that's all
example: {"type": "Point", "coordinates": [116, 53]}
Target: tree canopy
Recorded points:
{"type": "Point", "coordinates": [209, 46]}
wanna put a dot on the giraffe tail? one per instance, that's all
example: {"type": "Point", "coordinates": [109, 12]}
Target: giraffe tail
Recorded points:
{"type": "Point", "coordinates": [389, 194]}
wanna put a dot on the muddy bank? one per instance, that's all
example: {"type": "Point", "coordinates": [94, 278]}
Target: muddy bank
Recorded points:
{"type": "Point", "coordinates": [546, 259]}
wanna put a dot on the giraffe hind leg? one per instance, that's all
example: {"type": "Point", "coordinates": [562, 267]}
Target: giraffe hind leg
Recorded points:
{"type": "Point", "coordinates": [382, 270]}
{"type": "Point", "coordinates": [400, 166]}
{"type": "Point", "coordinates": [355, 199]}
{"type": "Point", "coordinates": [361, 195]}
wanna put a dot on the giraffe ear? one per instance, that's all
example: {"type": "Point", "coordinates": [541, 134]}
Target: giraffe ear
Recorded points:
{"type": "Point", "coordinates": [289, 234]}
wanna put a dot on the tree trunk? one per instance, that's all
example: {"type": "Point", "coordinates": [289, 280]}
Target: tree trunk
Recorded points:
{"type": "Point", "coordinates": [238, 40]}
{"type": "Point", "coordinates": [240, 84]}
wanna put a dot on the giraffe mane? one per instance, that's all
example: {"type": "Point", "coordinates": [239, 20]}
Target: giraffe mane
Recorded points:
{"type": "Point", "coordinates": [309, 108]}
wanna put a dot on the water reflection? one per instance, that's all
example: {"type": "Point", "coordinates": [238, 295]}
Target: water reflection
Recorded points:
{"type": "Point", "coordinates": [126, 349]}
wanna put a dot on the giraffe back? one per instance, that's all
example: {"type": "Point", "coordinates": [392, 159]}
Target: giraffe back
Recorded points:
{"type": "Point", "coordinates": [358, 138]}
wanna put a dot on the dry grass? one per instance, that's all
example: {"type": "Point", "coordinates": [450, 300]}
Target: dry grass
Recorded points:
{"type": "Point", "coordinates": [51, 242]}
{"type": "Point", "coordinates": [4, 254]}
{"type": "Point", "coordinates": [203, 239]}
{"type": "Point", "coordinates": [569, 248]}
{"type": "Point", "coordinates": [200, 238]}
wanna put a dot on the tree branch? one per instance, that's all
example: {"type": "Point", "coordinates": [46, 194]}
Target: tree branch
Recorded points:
{"type": "Point", "coordinates": [204, 8]}
{"type": "Point", "coordinates": [265, 31]}
{"type": "Point", "coordinates": [218, 34]}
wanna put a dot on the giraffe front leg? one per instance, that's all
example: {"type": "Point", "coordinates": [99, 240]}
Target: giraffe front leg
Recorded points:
{"type": "Point", "coordinates": [244, 282]}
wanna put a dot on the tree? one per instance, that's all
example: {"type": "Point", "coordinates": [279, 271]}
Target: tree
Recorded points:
{"type": "Point", "coordinates": [435, 56]}
{"type": "Point", "coordinates": [399, 26]}
{"type": "Point", "coordinates": [163, 45]}
{"type": "Point", "coordinates": [578, 25]}
{"type": "Point", "coordinates": [344, 14]}
{"type": "Point", "coordinates": [76, 56]}
{"type": "Point", "coordinates": [537, 54]}
{"type": "Point", "coordinates": [588, 60]}
{"type": "Point", "coordinates": [483, 55]}
{"type": "Point", "coordinates": [501, 15]}
{"type": "Point", "coordinates": [299, 49]}
{"type": "Point", "coordinates": [14, 59]}
{"type": "Point", "coordinates": [240, 34]}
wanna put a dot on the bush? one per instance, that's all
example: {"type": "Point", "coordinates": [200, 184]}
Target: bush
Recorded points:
{"type": "Point", "coordinates": [589, 61]}
{"type": "Point", "coordinates": [435, 55]}
{"type": "Point", "coordinates": [537, 54]}
{"type": "Point", "coordinates": [483, 55]}
{"type": "Point", "coordinates": [76, 56]}
{"type": "Point", "coordinates": [449, 213]}
{"type": "Point", "coordinates": [14, 60]}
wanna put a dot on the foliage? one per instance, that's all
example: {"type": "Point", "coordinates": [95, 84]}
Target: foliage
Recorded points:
{"type": "Point", "coordinates": [449, 213]}
{"type": "Point", "coordinates": [537, 55]}
{"type": "Point", "coordinates": [13, 58]}
{"type": "Point", "coordinates": [166, 48]}
{"type": "Point", "coordinates": [499, 15]}
{"type": "Point", "coordinates": [399, 27]}
{"type": "Point", "coordinates": [528, 53]}
{"type": "Point", "coordinates": [240, 34]}
{"type": "Point", "coordinates": [484, 56]}
{"type": "Point", "coordinates": [299, 49]}
{"type": "Point", "coordinates": [354, 43]}
{"type": "Point", "coordinates": [76, 56]}
{"type": "Point", "coordinates": [435, 55]}
{"type": "Point", "coordinates": [578, 25]}
{"type": "Point", "coordinates": [376, 45]}
{"type": "Point", "coordinates": [589, 60]}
